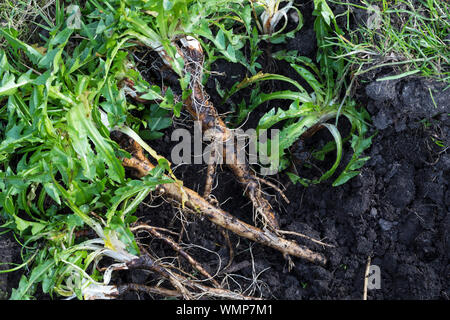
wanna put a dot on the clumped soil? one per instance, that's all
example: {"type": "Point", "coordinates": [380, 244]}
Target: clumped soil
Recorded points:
{"type": "Point", "coordinates": [396, 211]}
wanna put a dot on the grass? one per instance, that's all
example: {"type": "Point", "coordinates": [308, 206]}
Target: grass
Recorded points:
{"type": "Point", "coordinates": [410, 36]}
{"type": "Point", "coordinates": [19, 15]}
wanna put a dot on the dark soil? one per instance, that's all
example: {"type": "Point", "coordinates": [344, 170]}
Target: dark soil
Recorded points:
{"type": "Point", "coordinates": [396, 211]}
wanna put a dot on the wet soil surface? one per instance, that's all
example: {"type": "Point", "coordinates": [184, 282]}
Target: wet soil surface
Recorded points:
{"type": "Point", "coordinates": [396, 211]}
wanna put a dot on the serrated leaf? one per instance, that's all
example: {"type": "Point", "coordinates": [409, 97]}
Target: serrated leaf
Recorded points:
{"type": "Point", "coordinates": [296, 110]}
{"type": "Point", "coordinates": [220, 40]}
{"type": "Point", "coordinates": [17, 293]}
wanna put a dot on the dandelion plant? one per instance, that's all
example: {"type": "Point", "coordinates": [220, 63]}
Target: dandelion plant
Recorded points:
{"type": "Point", "coordinates": [311, 110]}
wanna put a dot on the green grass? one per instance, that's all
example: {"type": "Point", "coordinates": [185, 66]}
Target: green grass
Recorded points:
{"type": "Point", "coordinates": [410, 36]}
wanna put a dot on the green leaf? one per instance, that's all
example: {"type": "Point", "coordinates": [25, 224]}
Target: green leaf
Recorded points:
{"type": "Point", "coordinates": [80, 144]}
{"type": "Point", "coordinates": [153, 93]}
{"type": "Point", "coordinates": [231, 53]}
{"type": "Point", "coordinates": [80, 121]}
{"type": "Point", "coordinates": [295, 178]}
{"type": "Point", "coordinates": [22, 225]}
{"type": "Point", "coordinates": [150, 135]}
{"type": "Point", "coordinates": [124, 234]}
{"type": "Point", "coordinates": [168, 5]}
{"type": "Point", "coordinates": [18, 294]}
{"type": "Point", "coordinates": [159, 123]}
{"type": "Point", "coordinates": [321, 6]}
{"type": "Point", "coordinates": [358, 163]}
{"type": "Point", "coordinates": [74, 221]}
{"type": "Point", "coordinates": [43, 78]}
{"type": "Point", "coordinates": [338, 140]}
{"type": "Point", "coordinates": [139, 188]}
{"type": "Point", "coordinates": [52, 192]}
{"type": "Point", "coordinates": [8, 204]}
{"type": "Point", "coordinates": [4, 65]}
{"type": "Point", "coordinates": [61, 37]}
{"type": "Point", "coordinates": [285, 95]}
{"type": "Point", "coordinates": [36, 276]}
{"type": "Point", "coordinates": [296, 110]}
{"type": "Point", "coordinates": [48, 282]}
{"type": "Point", "coordinates": [399, 76]}
{"type": "Point", "coordinates": [47, 60]}
{"type": "Point", "coordinates": [220, 40]}
{"type": "Point", "coordinates": [262, 77]}
{"type": "Point", "coordinates": [16, 137]}
{"type": "Point", "coordinates": [312, 81]}
{"type": "Point", "coordinates": [359, 143]}
{"type": "Point", "coordinates": [292, 132]}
